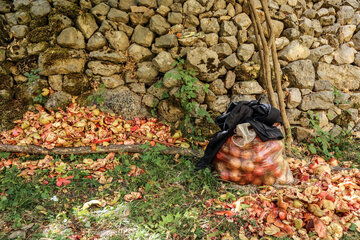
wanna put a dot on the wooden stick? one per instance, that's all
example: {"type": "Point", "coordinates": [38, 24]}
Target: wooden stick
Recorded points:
{"type": "Point", "coordinates": [265, 47]}
{"type": "Point", "coordinates": [33, 149]}
{"type": "Point", "coordinates": [258, 42]}
{"type": "Point", "coordinates": [277, 75]}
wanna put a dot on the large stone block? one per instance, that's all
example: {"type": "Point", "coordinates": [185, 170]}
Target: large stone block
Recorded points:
{"type": "Point", "coordinates": [61, 61]}
{"type": "Point", "coordinates": [344, 77]}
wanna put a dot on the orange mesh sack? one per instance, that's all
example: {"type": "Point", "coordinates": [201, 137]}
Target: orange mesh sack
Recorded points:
{"type": "Point", "coordinates": [254, 162]}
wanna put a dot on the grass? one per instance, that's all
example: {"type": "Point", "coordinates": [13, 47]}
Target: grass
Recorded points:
{"type": "Point", "coordinates": [173, 204]}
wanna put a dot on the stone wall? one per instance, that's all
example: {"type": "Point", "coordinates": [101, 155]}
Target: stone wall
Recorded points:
{"type": "Point", "coordinates": [128, 45]}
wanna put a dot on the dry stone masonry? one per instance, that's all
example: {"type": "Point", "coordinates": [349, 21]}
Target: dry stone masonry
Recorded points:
{"type": "Point", "coordinates": [129, 45]}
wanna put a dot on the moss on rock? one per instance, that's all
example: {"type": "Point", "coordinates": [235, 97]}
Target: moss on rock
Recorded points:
{"type": "Point", "coordinates": [10, 112]}
{"type": "Point", "coordinates": [40, 34]}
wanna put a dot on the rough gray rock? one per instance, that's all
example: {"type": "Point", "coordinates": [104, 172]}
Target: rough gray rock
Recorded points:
{"type": "Point", "coordinates": [71, 38]}
{"type": "Point", "coordinates": [209, 25]}
{"type": "Point", "coordinates": [344, 54]}
{"type": "Point", "coordinates": [277, 28]}
{"type": "Point", "coordinates": [113, 81]}
{"type": "Point", "coordinates": [166, 41]}
{"type": "Point", "coordinates": [40, 8]}
{"type": "Point", "coordinates": [193, 7]}
{"type": "Point", "coordinates": [36, 48]}
{"type": "Point", "coordinates": [58, 100]}
{"type": "Point", "coordinates": [231, 61]}
{"type": "Point", "coordinates": [61, 61]}
{"type": "Point", "coordinates": [345, 14]}
{"type": "Point", "coordinates": [230, 79]}
{"type": "Point", "coordinates": [104, 68]}
{"type": "Point", "coordinates": [317, 53]}
{"type": "Point", "coordinates": [293, 115]}
{"type": "Point", "coordinates": [356, 40]}
{"type": "Point", "coordinates": [242, 20]}
{"type": "Point", "coordinates": [202, 59]}
{"type": "Point", "coordinates": [124, 102]}
{"type": "Point", "coordinates": [323, 85]}
{"type": "Point", "coordinates": [147, 72]}
{"type": "Point", "coordinates": [20, 4]}
{"type": "Point", "coordinates": [118, 40]}
{"type": "Point", "coordinates": [294, 98]}
{"type": "Point", "coordinates": [149, 100]}
{"type": "Point", "coordinates": [143, 36]}
{"type": "Point", "coordinates": [139, 53]}
{"type": "Point", "coordinates": [100, 11]}
{"type": "Point", "coordinates": [115, 57]}
{"type": "Point", "coordinates": [294, 51]}
{"type": "Point", "coordinates": [96, 41]}
{"type": "Point", "coordinates": [231, 40]}
{"type": "Point", "coordinates": [170, 81]}
{"type": "Point", "coordinates": [218, 87]}
{"type": "Point", "coordinates": [211, 39]}
{"type": "Point", "coordinates": [138, 87]}
{"type": "Point", "coordinates": [316, 101]}
{"type": "Point", "coordinates": [220, 104]}
{"type": "Point", "coordinates": [159, 25]}
{"type": "Point", "coordinates": [55, 82]}
{"type": "Point", "coordinates": [301, 74]}
{"type": "Point", "coordinates": [169, 111]}
{"type": "Point", "coordinates": [163, 62]}
{"type": "Point", "coordinates": [245, 51]}
{"type": "Point", "coordinates": [302, 133]}
{"type": "Point", "coordinates": [116, 15]}
{"type": "Point", "coordinates": [342, 77]}
{"type": "Point", "coordinates": [228, 29]}
{"type": "Point", "coordinates": [247, 87]}
{"type": "Point", "coordinates": [19, 31]}
{"type": "Point", "coordinates": [87, 24]}
{"type": "Point", "coordinates": [222, 49]}
{"type": "Point", "coordinates": [175, 18]}
{"type": "Point", "coordinates": [75, 83]}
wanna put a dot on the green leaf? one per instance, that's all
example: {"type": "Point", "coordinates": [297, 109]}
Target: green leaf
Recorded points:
{"type": "Point", "coordinates": [312, 149]}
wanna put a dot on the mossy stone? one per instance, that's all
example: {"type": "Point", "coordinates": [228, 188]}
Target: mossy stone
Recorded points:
{"type": "Point", "coordinates": [10, 112]}
{"type": "Point", "coordinates": [4, 33]}
{"type": "Point", "coordinates": [67, 8]}
{"type": "Point", "coordinates": [38, 22]}
{"type": "Point", "coordinates": [58, 22]}
{"type": "Point", "coordinates": [75, 83]}
{"type": "Point", "coordinates": [6, 82]}
{"type": "Point", "coordinates": [40, 34]}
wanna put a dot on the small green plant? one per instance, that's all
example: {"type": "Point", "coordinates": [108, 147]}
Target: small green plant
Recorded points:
{"type": "Point", "coordinates": [32, 76]}
{"type": "Point", "coordinates": [325, 144]}
{"type": "Point", "coordinates": [97, 98]}
{"type": "Point", "coordinates": [40, 99]}
{"type": "Point", "coordinates": [188, 92]}
{"type": "Point", "coordinates": [338, 97]}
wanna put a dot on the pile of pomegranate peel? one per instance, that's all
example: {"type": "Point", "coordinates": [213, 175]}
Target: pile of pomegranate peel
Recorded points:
{"type": "Point", "coordinates": [87, 126]}
{"type": "Point", "coordinates": [323, 201]}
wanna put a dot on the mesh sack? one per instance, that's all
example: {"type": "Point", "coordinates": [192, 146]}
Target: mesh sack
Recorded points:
{"type": "Point", "coordinates": [257, 162]}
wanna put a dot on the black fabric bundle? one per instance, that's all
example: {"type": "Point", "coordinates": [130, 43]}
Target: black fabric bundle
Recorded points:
{"type": "Point", "coordinates": [260, 116]}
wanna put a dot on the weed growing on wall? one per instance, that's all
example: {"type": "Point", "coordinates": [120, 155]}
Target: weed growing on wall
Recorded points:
{"type": "Point", "coordinates": [187, 93]}
{"type": "Point", "coordinates": [32, 76]}
{"type": "Point", "coordinates": [326, 144]}
{"type": "Point", "coordinates": [97, 98]}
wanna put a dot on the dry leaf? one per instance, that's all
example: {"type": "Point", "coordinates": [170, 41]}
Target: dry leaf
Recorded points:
{"type": "Point", "coordinates": [132, 196]}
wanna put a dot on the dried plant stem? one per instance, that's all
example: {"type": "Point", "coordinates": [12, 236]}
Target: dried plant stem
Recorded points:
{"type": "Point", "coordinates": [277, 75]}
{"type": "Point", "coordinates": [266, 53]}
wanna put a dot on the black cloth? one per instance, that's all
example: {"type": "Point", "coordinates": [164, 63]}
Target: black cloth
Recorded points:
{"type": "Point", "coordinates": [260, 116]}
